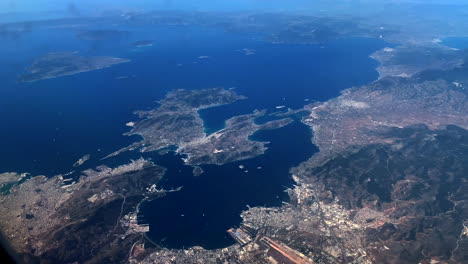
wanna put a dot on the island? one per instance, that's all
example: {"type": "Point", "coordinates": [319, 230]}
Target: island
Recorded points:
{"type": "Point", "coordinates": [197, 171]}
{"type": "Point", "coordinates": [82, 160]}
{"type": "Point", "coordinates": [59, 64]}
{"type": "Point", "coordinates": [142, 43]}
{"type": "Point", "coordinates": [176, 122]}
{"type": "Point", "coordinates": [248, 52]}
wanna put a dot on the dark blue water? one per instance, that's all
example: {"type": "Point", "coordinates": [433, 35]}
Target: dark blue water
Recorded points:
{"type": "Point", "coordinates": [289, 74]}
{"type": "Point", "coordinates": [47, 125]}
{"type": "Point", "coordinates": [210, 204]}
{"type": "Point", "coordinates": [456, 42]}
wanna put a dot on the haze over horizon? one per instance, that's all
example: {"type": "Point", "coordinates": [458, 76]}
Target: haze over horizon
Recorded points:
{"type": "Point", "coordinates": [90, 7]}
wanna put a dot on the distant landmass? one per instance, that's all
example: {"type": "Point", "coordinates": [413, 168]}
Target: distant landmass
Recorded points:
{"type": "Point", "coordinates": [59, 64]}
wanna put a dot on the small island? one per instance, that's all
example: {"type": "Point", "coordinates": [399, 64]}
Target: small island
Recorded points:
{"type": "Point", "coordinates": [82, 160]}
{"type": "Point", "coordinates": [59, 64]}
{"type": "Point", "coordinates": [197, 171]}
{"type": "Point", "coordinates": [142, 43]}
{"type": "Point", "coordinates": [248, 52]}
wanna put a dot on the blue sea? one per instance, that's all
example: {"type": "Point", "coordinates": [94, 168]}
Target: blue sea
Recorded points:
{"type": "Point", "coordinates": [455, 42]}
{"type": "Point", "coordinates": [47, 125]}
